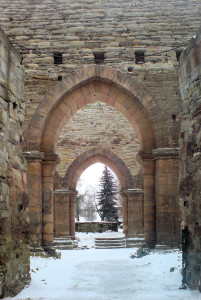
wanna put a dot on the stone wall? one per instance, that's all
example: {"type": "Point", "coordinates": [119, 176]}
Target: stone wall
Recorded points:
{"type": "Point", "coordinates": [95, 226]}
{"type": "Point", "coordinates": [56, 38]}
{"type": "Point", "coordinates": [190, 155]}
{"type": "Point", "coordinates": [106, 128]}
{"type": "Point", "coordinates": [77, 31]}
{"type": "Point", "coordinates": [117, 28]}
{"type": "Point", "coordinates": [14, 247]}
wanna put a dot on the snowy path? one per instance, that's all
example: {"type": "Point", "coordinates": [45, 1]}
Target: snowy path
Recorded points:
{"type": "Point", "coordinates": [107, 275]}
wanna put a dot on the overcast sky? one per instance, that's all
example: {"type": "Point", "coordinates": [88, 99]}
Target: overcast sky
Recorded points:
{"type": "Point", "coordinates": [91, 177]}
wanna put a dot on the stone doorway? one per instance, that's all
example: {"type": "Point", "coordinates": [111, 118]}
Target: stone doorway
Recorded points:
{"type": "Point", "coordinates": [159, 160]}
{"type": "Point", "coordinates": [64, 198]}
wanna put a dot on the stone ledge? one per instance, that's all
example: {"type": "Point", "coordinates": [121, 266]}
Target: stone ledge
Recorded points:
{"type": "Point", "coordinates": [165, 153]}
{"type": "Point", "coordinates": [64, 192]}
{"type": "Point", "coordinates": [51, 157]}
{"type": "Point", "coordinates": [132, 192]}
{"type": "Point", "coordinates": [146, 154]}
{"type": "Point", "coordinates": [33, 156]}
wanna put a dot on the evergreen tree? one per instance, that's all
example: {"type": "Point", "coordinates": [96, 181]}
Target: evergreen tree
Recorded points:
{"type": "Point", "coordinates": [107, 196]}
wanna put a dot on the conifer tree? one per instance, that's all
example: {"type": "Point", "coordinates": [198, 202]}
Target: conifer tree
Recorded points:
{"type": "Point", "coordinates": [107, 196]}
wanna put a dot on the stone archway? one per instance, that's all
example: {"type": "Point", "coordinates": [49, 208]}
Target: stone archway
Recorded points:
{"type": "Point", "coordinates": [64, 199]}
{"type": "Point", "coordinates": [93, 155]}
{"type": "Point", "coordinates": [90, 84]}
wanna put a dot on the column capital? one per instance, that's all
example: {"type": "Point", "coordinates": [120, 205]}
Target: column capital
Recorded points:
{"type": "Point", "coordinates": [73, 192]}
{"type": "Point", "coordinates": [146, 154]}
{"type": "Point", "coordinates": [32, 156]}
{"type": "Point", "coordinates": [166, 153]}
{"type": "Point", "coordinates": [64, 192]}
{"type": "Point", "coordinates": [51, 157]}
{"type": "Point", "coordinates": [130, 192]}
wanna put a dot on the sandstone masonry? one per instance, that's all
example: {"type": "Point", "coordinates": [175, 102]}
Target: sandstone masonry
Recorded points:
{"type": "Point", "coordinates": [116, 28]}
{"type": "Point", "coordinates": [14, 242]}
{"type": "Point", "coordinates": [123, 53]}
{"type": "Point", "coordinates": [190, 156]}
{"type": "Point", "coordinates": [106, 128]}
{"type": "Point", "coordinates": [59, 39]}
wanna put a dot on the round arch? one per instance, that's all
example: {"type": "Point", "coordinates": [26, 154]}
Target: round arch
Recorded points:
{"type": "Point", "coordinates": [90, 157]}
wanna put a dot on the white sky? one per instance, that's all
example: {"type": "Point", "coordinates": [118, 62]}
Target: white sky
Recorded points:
{"type": "Point", "coordinates": [91, 177]}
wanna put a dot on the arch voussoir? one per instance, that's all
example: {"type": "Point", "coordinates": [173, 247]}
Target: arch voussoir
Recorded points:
{"type": "Point", "coordinates": [89, 84]}
{"type": "Point", "coordinates": [91, 156]}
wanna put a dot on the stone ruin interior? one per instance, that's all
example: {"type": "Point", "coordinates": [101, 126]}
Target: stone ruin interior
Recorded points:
{"type": "Point", "coordinates": [117, 82]}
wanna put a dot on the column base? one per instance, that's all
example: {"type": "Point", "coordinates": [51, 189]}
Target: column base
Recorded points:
{"type": "Point", "coordinates": [51, 251]}
{"type": "Point", "coordinates": [35, 240]}
{"type": "Point", "coordinates": [150, 243]}
{"type": "Point", "coordinates": [166, 246]}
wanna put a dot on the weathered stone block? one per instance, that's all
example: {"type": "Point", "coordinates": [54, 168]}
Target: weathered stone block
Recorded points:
{"type": "Point", "coordinates": [14, 252]}
{"type": "Point", "coordinates": [190, 179]}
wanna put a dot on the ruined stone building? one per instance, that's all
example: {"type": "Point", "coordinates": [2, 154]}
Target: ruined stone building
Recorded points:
{"type": "Point", "coordinates": [190, 159]}
{"type": "Point", "coordinates": [98, 81]}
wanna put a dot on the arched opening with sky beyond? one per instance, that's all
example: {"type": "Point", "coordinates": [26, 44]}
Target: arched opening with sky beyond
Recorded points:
{"type": "Point", "coordinates": [99, 82]}
{"type": "Point", "coordinates": [73, 173]}
{"type": "Point", "coordinates": [88, 187]}
{"type": "Point", "coordinates": [95, 84]}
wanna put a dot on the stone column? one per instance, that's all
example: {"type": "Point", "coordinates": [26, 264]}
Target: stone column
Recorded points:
{"type": "Point", "coordinates": [168, 215]}
{"type": "Point", "coordinates": [149, 198]}
{"type": "Point", "coordinates": [61, 213]}
{"type": "Point", "coordinates": [72, 198]}
{"type": "Point", "coordinates": [124, 198]}
{"type": "Point", "coordinates": [48, 168]}
{"type": "Point", "coordinates": [134, 211]}
{"type": "Point", "coordinates": [34, 180]}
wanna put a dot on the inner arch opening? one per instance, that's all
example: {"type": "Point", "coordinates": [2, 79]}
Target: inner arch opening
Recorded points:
{"type": "Point", "coordinates": [98, 125]}
{"type": "Point", "coordinates": [92, 92]}
{"type": "Point", "coordinates": [88, 188]}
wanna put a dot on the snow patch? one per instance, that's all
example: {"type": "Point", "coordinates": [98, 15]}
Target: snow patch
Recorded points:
{"type": "Point", "coordinates": [108, 274]}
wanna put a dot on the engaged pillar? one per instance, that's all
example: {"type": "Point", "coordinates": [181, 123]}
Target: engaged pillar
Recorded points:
{"type": "Point", "coordinates": [134, 211]}
{"type": "Point", "coordinates": [168, 217]}
{"type": "Point", "coordinates": [149, 197]}
{"type": "Point", "coordinates": [124, 198]}
{"type": "Point", "coordinates": [61, 213]}
{"type": "Point", "coordinates": [34, 183]}
{"type": "Point", "coordinates": [48, 168]}
{"type": "Point", "coordinates": [72, 197]}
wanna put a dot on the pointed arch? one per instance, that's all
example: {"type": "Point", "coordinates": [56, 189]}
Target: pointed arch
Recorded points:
{"type": "Point", "coordinates": [87, 85]}
{"type": "Point", "coordinates": [94, 155]}
{"type": "Point", "coordinates": [90, 84]}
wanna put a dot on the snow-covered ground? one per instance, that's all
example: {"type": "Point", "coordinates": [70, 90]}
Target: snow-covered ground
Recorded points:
{"type": "Point", "coordinates": [88, 239]}
{"type": "Point", "coordinates": [109, 274]}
